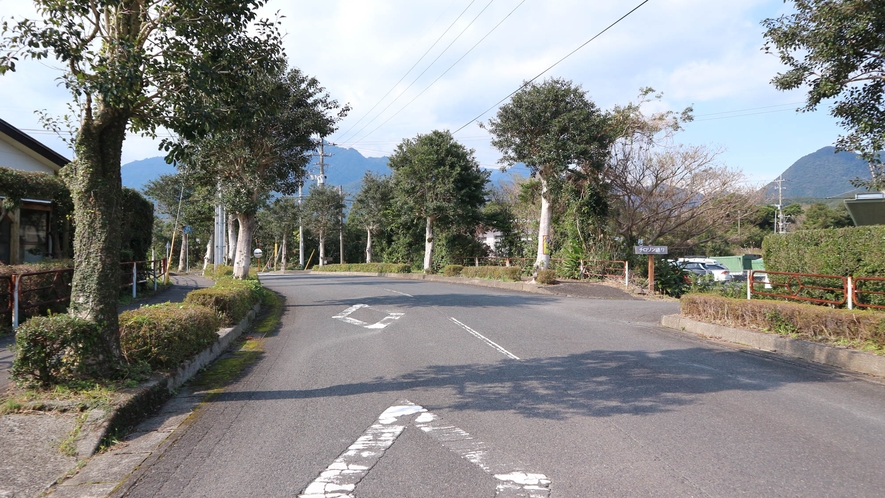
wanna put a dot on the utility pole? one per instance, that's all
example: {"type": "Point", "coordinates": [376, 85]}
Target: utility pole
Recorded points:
{"type": "Point", "coordinates": [780, 223]}
{"type": "Point", "coordinates": [300, 232]}
{"type": "Point", "coordinates": [321, 180]}
{"type": "Point", "coordinates": [341, 225]}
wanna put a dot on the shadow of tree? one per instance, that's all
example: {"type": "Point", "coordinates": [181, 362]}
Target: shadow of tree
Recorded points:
{"type": "Point", "coordinates": [594, 384]}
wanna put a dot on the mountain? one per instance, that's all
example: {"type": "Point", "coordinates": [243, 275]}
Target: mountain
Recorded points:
{"type": "Point", "coordinates": [137, 173]}
{"type": "Point", "coordinates": [822, 174]}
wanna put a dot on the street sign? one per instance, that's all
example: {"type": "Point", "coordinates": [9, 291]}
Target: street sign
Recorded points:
{"type": "Point", "coordinates": [651, 250]}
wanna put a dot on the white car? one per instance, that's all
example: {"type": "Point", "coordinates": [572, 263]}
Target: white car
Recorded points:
{"type": "Point", "coordinates": [719, 272]}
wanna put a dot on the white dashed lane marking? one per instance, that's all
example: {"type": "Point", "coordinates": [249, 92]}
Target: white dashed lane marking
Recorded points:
{"type": "Point", "coordinates": [486, 340]}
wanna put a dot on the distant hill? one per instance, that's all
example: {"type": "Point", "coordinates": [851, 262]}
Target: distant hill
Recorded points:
{"type": "Point", "coordinates": [822, 174]}
{"type": "Point", "coordinates": [137, 173]}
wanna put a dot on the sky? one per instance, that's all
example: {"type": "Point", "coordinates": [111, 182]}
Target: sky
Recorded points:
{"type": "Point", "coordinates": [408, 68]}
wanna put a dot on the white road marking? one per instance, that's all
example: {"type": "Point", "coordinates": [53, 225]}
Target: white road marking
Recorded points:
{"type": "Point", "coordinates": [486, 340]}
{"type": "Point", "coordinates": [341, 477]}
{"type": "Point", "coordinates": [387, 320]}
{"type": "Point", "coordinates": [398, 292]}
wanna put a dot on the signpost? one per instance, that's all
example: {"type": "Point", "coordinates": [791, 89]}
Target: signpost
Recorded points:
{"type": "Point", "coordinates": [257, 253]}
{"type": "Point", "coordinates": [651, 251]}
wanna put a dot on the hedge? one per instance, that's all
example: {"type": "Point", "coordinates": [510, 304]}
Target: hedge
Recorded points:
{"type": "Point", "coordinates": [230, 299]}
{"type": "Point", "coordinates": [805, 321]}
{"type": "Point", "coordinates": [511, 273]}
{"type": "Point", "coordinates": [546, 277]}
{"type": "Point", "coordinates": [366, 268]}
{"type": "Point", "coordinates": [852, 251]}
{"type": "Point", "coordinates": [57, 348]}
{"type": "Point", "coordinates": [166, 335]}
{"type": "Point", "coordinates": [452, 270]}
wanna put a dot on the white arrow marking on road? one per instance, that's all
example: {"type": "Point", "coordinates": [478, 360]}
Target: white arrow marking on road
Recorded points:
{"type": "Point", "coordinates": [340, 479]}
{"type": "Point", "coordinates": [398, 292]}
{"type": "Point", "coordinates": [486, 340]}
{"type": "Point", "coordinates": [387, 320]}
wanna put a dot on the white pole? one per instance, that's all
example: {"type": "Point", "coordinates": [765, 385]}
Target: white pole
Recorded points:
{"type": "Point", "coordinates": [850, 293]}
{"type": "Point", "coordinates": [626, 273]}
{"type": "Point", "coordinates": [15, 303]}
{"type": "Point", "coordinates": [134, 278]}
{"type": "Point", "coordinates": [750, 285]}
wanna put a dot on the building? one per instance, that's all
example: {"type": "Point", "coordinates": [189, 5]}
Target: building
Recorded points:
{"type": "Point", "coordinates": [25, 232]}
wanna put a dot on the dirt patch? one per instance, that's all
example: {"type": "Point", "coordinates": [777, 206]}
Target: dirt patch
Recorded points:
{"type": "Point", "coordinates": [590, 290]}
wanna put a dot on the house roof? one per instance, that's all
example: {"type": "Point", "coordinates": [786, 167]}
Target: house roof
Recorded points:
{"type": "Point", "coordinates": [31, 143]}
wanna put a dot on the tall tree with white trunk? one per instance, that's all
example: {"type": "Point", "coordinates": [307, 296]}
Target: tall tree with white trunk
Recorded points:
{"type": "Point", "coordinates": [551, 127]}
{"type": "Point", "coordinates": [439, 181]}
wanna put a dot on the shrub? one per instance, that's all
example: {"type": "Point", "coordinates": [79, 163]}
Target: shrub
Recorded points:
{"type": "Point", "coordinates": [221, 271]}
{"type": "Point", "coordinates": [853, 251]}
{"type": "Point", "coordinates": [55, 349]}
{"type": "Point", "coordinates": [511, 273]}
{"type": "Point", "coordinates": [366, 268]}
{"type": "Point", "coordinates": [816, 323]}
{"type": "Point", "coordinates": [166, 335]}
{"type": "Point", "coordinates": [452, 270]}
{"type": "Point", "coordinates": [546, 277]}
{"type": "Point", "coordinates": [230, 299]}
{"type": "Point", "coordinates": [670, 278]}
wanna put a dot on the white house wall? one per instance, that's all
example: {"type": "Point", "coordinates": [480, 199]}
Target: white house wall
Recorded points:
{"type": "Point", "coordinates": [13, 155]}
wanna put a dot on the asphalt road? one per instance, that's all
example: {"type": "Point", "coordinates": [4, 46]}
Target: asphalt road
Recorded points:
{"type": "Point", "coordinates": [485, 391]}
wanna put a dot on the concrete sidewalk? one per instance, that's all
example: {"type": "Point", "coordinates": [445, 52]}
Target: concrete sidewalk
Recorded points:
{"type": "Point", "coordinates": [31, 459]}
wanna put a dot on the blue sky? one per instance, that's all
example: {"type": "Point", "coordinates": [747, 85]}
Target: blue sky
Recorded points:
{"type": "Point", "coordinates": [703, 53]}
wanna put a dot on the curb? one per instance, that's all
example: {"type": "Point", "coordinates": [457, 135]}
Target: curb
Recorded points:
{"type": "Point", "coordinates": [855, 361]}
{"type": "Point", "coordinates": [139, 405]}
{"type": "Point", "coordinates": [497, 284]}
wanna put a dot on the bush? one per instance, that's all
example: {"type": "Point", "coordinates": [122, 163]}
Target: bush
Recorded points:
{"type": "Point", "coordinates": [815, 323]}
{"type": "Point", "coordinates": [671, 278]}
{"type": "Point", "coordinates": [452, 270]}
{"type": "Point", "coordinates": [506, 273]}
{"type": "Point", "coordinates": [853, 251]}
{"type": "Point", "coordinates": [230, 299]}
{"type": "Point", "coordinates": [165, 335]}
{"type": "Point", "coordinates": [546, 277]}
{"type": "Point", "coordinates": [221, 271]}
{"type": "Point", "coordinates": [366, 268]}
{"type": "Point", "coordinates": [55, 349]}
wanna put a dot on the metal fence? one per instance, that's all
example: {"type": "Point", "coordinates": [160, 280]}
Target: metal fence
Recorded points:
{"type": "Point", "coordinates": [831, 290]}
{"type": "Point", "coordinates": [33, 293]}
{"type": "Point", "coordinates": [592, 268]}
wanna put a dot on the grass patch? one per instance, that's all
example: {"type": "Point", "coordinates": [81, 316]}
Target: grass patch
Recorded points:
{"type": "Point", "coordinates": [68, 447]}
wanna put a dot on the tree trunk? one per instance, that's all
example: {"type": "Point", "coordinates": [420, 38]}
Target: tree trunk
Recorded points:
{"type": "Point", "coordinates": [428, 244]}
{"type": "Point", "coordinates": [283, 255]}
{"type": "Point", "coordinates": [94, 182]}
{"type": "Point", "coordinates": [322, 248]}
{"type": "Point", "coordinates": [368, 245]}
{"type": "Point", "coordinates": [182, 254]}
{"type": "Point", "coordinates": [543, 260]}
{"type": "Point", "coordinates": [244, 245]}
{"type": "Point", "coordinates": [210, 254]}
{"type": "Point", "coordinates": [231, 237]}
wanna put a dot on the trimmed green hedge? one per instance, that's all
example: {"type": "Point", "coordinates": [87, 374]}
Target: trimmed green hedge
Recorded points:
{"type": "Point", "coordinates": [506, 273]}
{"type": "Point", "coordinates": [55, 349]}
{"type": "Point", "coordinates": [862, 329]}
{"type": "Point", "coordinates": [166, 335]}
{"type": "Point", "coordinates": [452, 270]}
{"type": "Point", "coordinates": [853, 251]}
{"type": "Point", "coordinates": [546, 277]}
{"type": "Point", "coordinates": [231, 299]}
{"type": "Point", "coordinates": [366, 268]}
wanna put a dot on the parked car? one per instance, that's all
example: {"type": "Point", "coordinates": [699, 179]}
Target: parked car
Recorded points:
{"type": "Point", "coordinates": [719, 272]}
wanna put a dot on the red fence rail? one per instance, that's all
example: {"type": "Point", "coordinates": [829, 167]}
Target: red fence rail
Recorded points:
{"type": "Point", "coordinates": [861, 296]}
{"type": "Point", "coordinates": [807, 287]}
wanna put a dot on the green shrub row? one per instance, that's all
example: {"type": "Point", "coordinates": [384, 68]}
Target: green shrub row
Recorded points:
{"type": "Point", "coordinates": [506, 273]}
{"type": "Point", "coordinates": [366, 268]}
{"type": "Point", "coordinates": [865, 329]}
{"type": "Point", "coordinates": [57, 348]}
{"type": "Point", "coordinates": [852, 251]}
{"type": "Point", "coordinates": [231, 299]}
{"type": "Point", "coordinates": [452, 270]}
{"type": "Point", "coordinates": [166, 335]}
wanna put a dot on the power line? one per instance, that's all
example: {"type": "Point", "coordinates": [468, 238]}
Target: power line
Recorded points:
{"type": "Point", "coordinates": [343, 134]}
{"type": "Point", "coordinates": [425, 70]}
{"type": "Point", "coordinates": [748, 109]}
{"type": "Point", "coordinates": [447, 70]}
{"type": "Point", "coordinates": [597, 35]}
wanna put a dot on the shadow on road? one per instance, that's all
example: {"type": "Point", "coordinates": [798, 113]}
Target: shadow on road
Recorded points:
{"type": "Point", "coordinates": [595, 384]}
{"type": "Point", "coordinates": [448, 299]}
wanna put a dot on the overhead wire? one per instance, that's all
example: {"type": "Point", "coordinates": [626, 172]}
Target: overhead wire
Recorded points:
{"type": "Point", "coordinates": [422, 72]}
{"type": "Point", "coordinates": [344, 133]}
{"type": "Point", "coordinates": [525, 84]}
{"type": "Point", "coordinates": [447, 70]}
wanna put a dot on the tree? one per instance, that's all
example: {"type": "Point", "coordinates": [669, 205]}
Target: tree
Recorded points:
{"type": "Point", "coordinates": [131, 65]}
{"type": "Point", "coordinates": [182, 200]}
{"type": "Point", "coordinates": [323, 210]}
{"type": "Point", "coordinates": [661, 191]}
{"type": "Point", "coordinates": [438, 181]}
{"type": "Point", "coordinates": [835, 49]}
{"type": "Point", "coordinates": [550, 127]}
{"type": "Point", "coordinates": [267, 153]}
{"type": "Point", "coordinates": [819, 215]}
{"type": "Point", "coordinates": [370, 205]}
{"type": "Point", "coordinates": [279, 220]}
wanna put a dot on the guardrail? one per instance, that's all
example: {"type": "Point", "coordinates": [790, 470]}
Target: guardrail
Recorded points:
{"type": "Point", "coordinates": [44, 290]}
{"type": "Point", "coordinates": [833, 290]}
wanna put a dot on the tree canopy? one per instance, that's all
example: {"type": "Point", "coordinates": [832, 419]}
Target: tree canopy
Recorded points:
{"type": "Point", "coordinates": [550, 127]}
{"type": "Point", "coordinates": [835, 49]}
